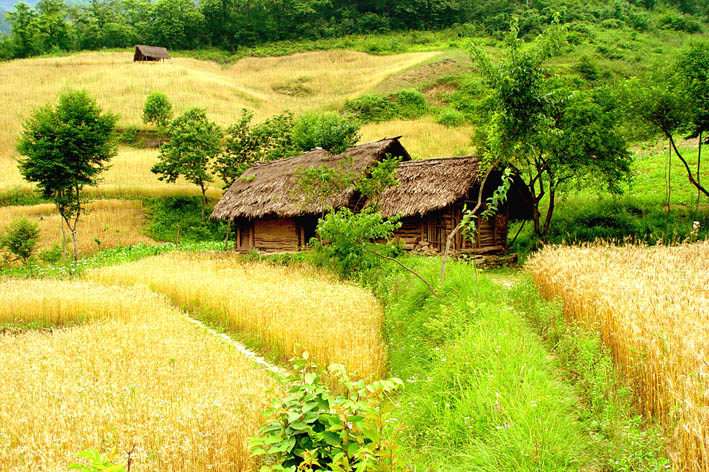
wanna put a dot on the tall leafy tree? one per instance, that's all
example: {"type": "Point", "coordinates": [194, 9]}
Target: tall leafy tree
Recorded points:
{"type": "Point", "coordinates": [538, 126]}
{"type": "Point", "coordinates": [25, 31]}
{"type": "Point", "coordinates": [193, 144]}
{"type": "Point", "coordinates": [65, 149]}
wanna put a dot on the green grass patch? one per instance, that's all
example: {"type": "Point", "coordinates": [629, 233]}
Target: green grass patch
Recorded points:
{"type": "Point", "coordinates": [178, 219]}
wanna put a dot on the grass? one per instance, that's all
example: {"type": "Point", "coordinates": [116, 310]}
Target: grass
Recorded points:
{"type": "Point", "coordinates": [648, 305]}
{"type": "Point", "coordinates": [106, 224]}
{"type": "Point", "coordinates": [133, 371]}
{"type": "Point", "coordinates": [482, 390]}
{"type": "Point", "coordinates": [283, 309]}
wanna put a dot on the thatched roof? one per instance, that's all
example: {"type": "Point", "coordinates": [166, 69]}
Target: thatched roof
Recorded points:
{"type": "Point", "coordinates": [428, 185]}
{"type": "Point", "coordinates": [153, 52]}
{"type": "Point", "coordinates": [433, 184]}
{"type": "Point", "coordinates": [270, 188]}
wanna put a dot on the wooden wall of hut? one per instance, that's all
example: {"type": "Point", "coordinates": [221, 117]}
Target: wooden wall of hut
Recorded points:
{"type": "Point", "coordinates": [273, 234]}
{"type": "Point", "coordinates": [429, 233]}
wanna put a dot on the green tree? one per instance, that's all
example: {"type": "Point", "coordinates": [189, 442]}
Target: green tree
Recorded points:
{"type": "Point", "coordinates": [21, 238]}
{"type": "Point", "coordinates": [693, 70]}
{"type": "Point", "coordinates": [65, 149]}
{"type": "Point", "coordinates": [194, 142]}
{"type": "Point", "coordinates": [329, 131]}
{"type": "Point", "coordinates": [246, 143]}
{"type": "Point", "coordinates": [538, 126]}
{"type": "Point", "coordinates": [23, 23]}
{"type": "Point", "coordinates": [157, 110]}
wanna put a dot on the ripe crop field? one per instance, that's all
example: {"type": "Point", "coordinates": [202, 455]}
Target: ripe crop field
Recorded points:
{"type": "Point", "coordinates": [651, 307]}
{"type": "Point", "coordinates": [106, 224]}
{"type": "Point", "coordinates": [122, 367]}
{"type": "Point", "coordinates": [285, 309]}
{"type": "Point", "coordinates": [266, 86]}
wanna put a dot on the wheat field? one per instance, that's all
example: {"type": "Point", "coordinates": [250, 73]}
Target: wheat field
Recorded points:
{"type": "Point", "coordinates": [106, 224]}
{"type": "Point", "coordinates": [651, 307]}
{"type": "Point", "coordinates": [126, 369]}
{"type": "Point", "coordinates": [300, 82]}
{"type": "Point", "coordinates": [287, 309]}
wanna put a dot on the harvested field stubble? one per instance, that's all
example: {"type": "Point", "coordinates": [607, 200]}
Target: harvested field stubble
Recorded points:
{"type": "Point", "coordinates": [286, 308]}
{"type": "Point", "coordinates": [137, 372]}
{"type": "Point", "coordinates": [651, 307]}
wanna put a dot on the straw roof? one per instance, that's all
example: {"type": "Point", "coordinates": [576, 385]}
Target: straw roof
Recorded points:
{"type": "Point", "coordinates": [429, 185]}
{"type": "Point", "coordinates": [433, 184]}
{"type": "Point", "coordinates": [154, 52]}
{"type": "Point", "coordinates": [269, 188]}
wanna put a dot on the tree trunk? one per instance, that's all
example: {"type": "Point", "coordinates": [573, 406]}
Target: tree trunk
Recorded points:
{"type": "Point", "coordinates": [550, 210]}
{"type": "Point", "coordinates": [76, 249]}
{"type": "Point", "coordinates": [699, 162]}
{"type": "Point", "coordinates": [689, 171]}
{"type": "Point", "coordinates": [204, 199]}
{"type": "Point", "coordinates": [669, 177]}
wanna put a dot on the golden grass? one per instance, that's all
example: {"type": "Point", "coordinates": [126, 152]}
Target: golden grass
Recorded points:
{"type": "Point", "coordinates": [139, 373]}
{"type": "Point", "coordinates": [324, 81]}
{"type": "Point", "coordinates": [111, 222]}
{"type": "Point", "coordinates": [287, 309]}
{"type": "Point", "coordinates": [423, 138]}
{"type": "Point", "coordinates": [651, 306]}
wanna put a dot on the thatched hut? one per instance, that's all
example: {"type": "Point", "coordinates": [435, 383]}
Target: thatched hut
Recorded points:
{"type": "Point", "coordinates": [430, 197]}
{"type": "Point", "coordinates": [145, 53]}
{"type": "Point", "coordinates": [268, 211]}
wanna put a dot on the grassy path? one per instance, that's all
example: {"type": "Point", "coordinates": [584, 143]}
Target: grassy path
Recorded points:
{"type": "Point", "coordinates": [483, 389]}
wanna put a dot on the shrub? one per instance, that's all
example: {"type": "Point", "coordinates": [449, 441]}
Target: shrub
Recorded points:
{"type": "Point", "coordinates": [370, 107]}
{"type": "Point", "coordinates": [129, 135]}
{"type": "Point", "coordinates": [450, 117]}
{"type": "Point", "coordinates": [678, 22]}
{"type": "Point", "coordinates": [166, 215]}
{"type": "Point", "coordinates": [157, 110]}
{"type": "Point", "coordinates": [329, 131]}
{"type": "Point", "coordinates": [587, 68]}
{"type": "Point", "coordinates": [412, 104]}
{"type": "Point", "coordinates": [51, 255]}
{"type": "Point", "coordinates": [315, 429]}
{"type": "Point", "coordinates": [20, 238]}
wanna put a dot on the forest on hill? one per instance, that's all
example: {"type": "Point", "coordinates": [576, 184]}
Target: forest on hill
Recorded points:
{"type": "Point", "coordinates": [55, 25]}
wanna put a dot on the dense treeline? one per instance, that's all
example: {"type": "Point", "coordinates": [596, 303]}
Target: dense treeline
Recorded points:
{"type": "Point", "coordinates": [53, 25]}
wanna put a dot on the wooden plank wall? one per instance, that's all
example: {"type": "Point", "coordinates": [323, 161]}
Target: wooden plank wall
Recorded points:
{"type": "Point", "coordinates": [276, 235]}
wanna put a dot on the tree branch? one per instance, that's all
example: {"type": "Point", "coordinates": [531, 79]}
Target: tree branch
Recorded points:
{"type": "Point", "coordinates": [405, 267]}
{"type": "Point", "coordinates": [686, 166]}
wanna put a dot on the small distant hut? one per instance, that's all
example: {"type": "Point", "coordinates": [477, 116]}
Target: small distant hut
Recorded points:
{"type": "Point", "coordinates": [149, 53]}
{"type": "Point", "coordinates": [272, 216]}
{"type": "Point", "coordinates": [430, 198]}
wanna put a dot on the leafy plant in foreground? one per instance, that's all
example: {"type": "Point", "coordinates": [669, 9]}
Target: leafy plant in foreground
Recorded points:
{"type": "Point", "coordinates": [315, 429]}
{"type": "Point", "coordinates": [99, 463]}
{"type": "Point", "coordinates": [20, 238]}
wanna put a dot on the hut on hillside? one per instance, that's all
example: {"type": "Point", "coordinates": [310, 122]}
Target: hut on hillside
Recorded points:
{"type": "Point", "coordinates": [149, 53]}
{"type": "Point", "coordinates": [271, 215]}
{"type": "Point", "coordinates": [430, 197]}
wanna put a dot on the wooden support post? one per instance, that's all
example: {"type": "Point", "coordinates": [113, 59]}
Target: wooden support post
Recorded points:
{"type": "Point", "coordinates": [226, 239]}
{"type": "Point", "coordinates": [237, 238]}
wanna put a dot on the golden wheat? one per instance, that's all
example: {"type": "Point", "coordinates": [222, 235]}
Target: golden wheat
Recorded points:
{"type": "Point", "coordinates": [283, 307]}
{"type": "Point", "coordinates": [106, 224]}
{"type": "Point", "coordinates": [651, 306]}
{"type": "Point", "coordinates": [137, 372]}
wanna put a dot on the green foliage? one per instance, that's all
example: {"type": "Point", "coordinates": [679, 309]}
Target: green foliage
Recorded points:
{"type": "Point", "coordinates": [317, 185]}
{"type": "Point", "coordinates": [20, 238]}
{"type": "Point", "coordinates": [693, 70]}
{"type": "Point", "coordinates": [157, 110]}
{"type": "Point", "coordinates": [65, 149]}
{"type": "Point", "coordinates": [246, 144]}
{"type": "Point", "coordinates": [52, 255]}
{"type": "Point", "coordinates": [345, 243]}
{"type": "Point", "coordinates": [129, 135]}
{"type": "Point", "coordinates": [20, 196]}
{"type": "Point", "coordinates": [677, 22]}
{"type": "Point", "coordinates": [329, 131]}
{"type": "Point", "coordinates": [377, 179]}
{"type": "Point", "coordinates": [451, 118]}
{"type": "Point", "coordinates": [166, 214]}
{"type": "Point", "coordinates": [98, 463]}
{"type": "Point", "coordinates": [498, 197]}
{"type": "Point", "coordinates": [406, 104]}
{"type": "Point", "coordinates": [316, 429]}
{"type": "Point", "coordinates": [588, 68]}
{"type": "Point", "coordinates": [194, 143]}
